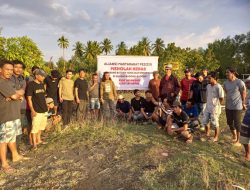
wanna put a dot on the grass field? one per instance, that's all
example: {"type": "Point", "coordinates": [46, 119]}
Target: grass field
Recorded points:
{"type": "Point", "coordinates": [123, 156]}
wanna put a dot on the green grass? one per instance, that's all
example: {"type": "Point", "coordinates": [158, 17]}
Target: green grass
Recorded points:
{"type": "Point", "coordinates": [124, 156]}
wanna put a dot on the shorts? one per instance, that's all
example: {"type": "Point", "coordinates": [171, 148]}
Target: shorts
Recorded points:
{"type": "Point", "coordinates": [234, 119]}
{"type": "Point", "coordinates": [94, 103]}
{"type": "Point", "coordinates": [213, 118]}
{"type": "Point", "coordinates": [137, 116]}
{"type": "Point", "coordinates": [39, 122]}
{"type": "Point", "coordinates": [9, 131]}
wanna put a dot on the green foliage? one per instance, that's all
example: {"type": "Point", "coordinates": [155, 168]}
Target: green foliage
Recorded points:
{"type": "Point", "coordinates": [23, 49]}
{"type": "Point", "coordinates": [122, 49]}
{"type": "Point", "coordinates": [106, 46]}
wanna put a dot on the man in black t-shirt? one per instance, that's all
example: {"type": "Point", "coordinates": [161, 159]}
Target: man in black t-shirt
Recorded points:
{"type": "Point", "coordinates": [36, 99]}
{"type": "Point", "coordinates": [123, 108]}
{"type": "Point", "coordinates": [178, 123]}
{"type": "Point", "coordinates": [81, 93]}
{"type": "Point", "coordinates": [9, 115]}
{"type": "Point", "coordinates": [51, 86]}
{"type": "Point", "coordinates": [148, 105]}
{"type": "Point", "coordinates": [136, 105]}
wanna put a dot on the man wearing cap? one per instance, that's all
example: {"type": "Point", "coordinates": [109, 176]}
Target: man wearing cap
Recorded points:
{"type": "Point", "coordinates": [53, 118]}
{"type": "Point", "coordinates": [169, 85]}
{"type": "Point", "coordinates": [178, 123]}
{"type": "Point", "coordinates": [36, 100]}
{"type": "Point", "coordinates": [123, 108]}
{"type": "Point", "coordinates": [235, 90]}
{"type": "Point", "coordinates": [186, 84]}
{"type": "Point", "coordinates": [154, 85]}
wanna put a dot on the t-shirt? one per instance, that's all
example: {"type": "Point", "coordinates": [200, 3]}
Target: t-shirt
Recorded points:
{"type": "Point", "coordinates": [148, 106]}
{"type": "Point", "coordinates": [191, 112]}
{"type": "Point", "coordinates": [154, 86]}
{"type": "Point", "coordinates": [214, 93]}
{"type": "Point", "coordinates": [199, 91]}
{"type": "Point", "coordinates": [51, 87]}
{"type": "Point", "coordinates": [9, 110]}
{"type": "Point", "coordinates": [124, 107]}
{"type": "Point", "coordinates": [233, 91]}
{"type": "Point", "coordinates": [94, 93]}
{"type": "Point", "coordinates": [82, 86]}
{"type": "Point", "coordinates": [37, 92]}
{"type": "Point", "coordinates": [185, 87]}
{"type": "Point", "coordinates": [137, 104]}
{"type": "Point", "coordinates": [67, 89]}
{"type": "Point", "coordinates": [181, 119]}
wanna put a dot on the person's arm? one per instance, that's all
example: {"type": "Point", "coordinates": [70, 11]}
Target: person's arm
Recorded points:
{"type": "Point", "coordinates": [243, 93]}
{"type": "Point", "coordinates": [92, 86]}
{"type": "Point", "coordinates": [177, 87]}
{"type": "Point", "coordinates": [33, 112]}
{"type": "Point", "coordinates": [60, 91]}
{"type": "Point", "coordinates": [101, 92]}
{"type": "Point", "coordinates": [143, 113]}
{"type": "Point", "coordinates": [76, 94]}
{"type": "Point", "coordinates": [114, 90]}
{"type": "Point", "coordinates": [183, 128]}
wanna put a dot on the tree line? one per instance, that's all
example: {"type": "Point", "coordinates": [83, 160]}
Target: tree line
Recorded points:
{"type": "Point", "coordinates": [230, 51]}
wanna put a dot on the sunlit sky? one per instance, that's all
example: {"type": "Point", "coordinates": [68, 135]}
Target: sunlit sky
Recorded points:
{"type": "Point", "coordinates": [188, 23]}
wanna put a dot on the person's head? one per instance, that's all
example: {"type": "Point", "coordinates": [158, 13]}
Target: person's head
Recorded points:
{"type": "Point", "coordinates": [120, 98]}
{"type": "Point", "coordinates": [50, 103]}
{"type": "Point", "coordinates": [148, 94]}
{"type": "Point", "coordinates": [6, 69]}
{"type": "Point", "coordinates": [199, 77]}
{"type": "Point", "coordinates": [204, 72]}
{"type": "Point", "coordinates": [106, 76]}
{"type": "Point", "coordinates": [156, 74]}
{"type": "Point", "coordinates": [247, 82]}
{"type": "Point", "coordinates": [95, 77]}
{"type": "Point", "coordinates": [34, 68]}
{"type": "Point", "coordinates": [55, 74]}
{"type": "Point", "coordinates": [213, 77]}
{"type": "Point", "coordinates": [137, 93]}
{"type": "Point", "coordinates": [231, 73]}
{"type": "Point", "coordinates": [39, 75]}
{"type": "Point", "coordinates": [18, 67]}
{"type": "Point", "coordinates": [168, 69]}
{"type": "Point", "coordinates": [189, 103]}
{"type": "Point", "coordinates": [69, 74]}
{"type": "Point", "coordinates": [177, 107]}
{"type": "Point", "coordinates": [81, 73]}
{"type": "Point", "coordinates": [187, 73]}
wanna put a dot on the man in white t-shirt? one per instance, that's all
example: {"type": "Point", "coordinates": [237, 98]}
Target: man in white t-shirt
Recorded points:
{"type": "Point", "coordinates": [215, 96]}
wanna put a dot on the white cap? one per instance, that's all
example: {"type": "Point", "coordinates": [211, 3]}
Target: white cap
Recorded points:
{"type": "Point", "coordinates": [120, 97]}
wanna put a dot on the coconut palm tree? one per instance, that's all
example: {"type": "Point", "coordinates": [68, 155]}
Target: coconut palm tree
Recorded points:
{"type": "Point", "coordinates": [63, 43]}
{"type": "Point", "coordinates": [158, 47]}
{"type": "Point", "coordinates": [121, 49]}
{"type": "Point", "coordinates": [145, 45]}
{"type": "Point", "coordinates": [106, 46]}
{"type": "Point", "coordinates": [91, 50]}
{"type": "Point", "coordinates": [79, 49]}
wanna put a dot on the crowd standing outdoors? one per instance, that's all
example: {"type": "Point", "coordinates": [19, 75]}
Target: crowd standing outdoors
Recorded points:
{"type": "Point", "coordinates": [30, 105]}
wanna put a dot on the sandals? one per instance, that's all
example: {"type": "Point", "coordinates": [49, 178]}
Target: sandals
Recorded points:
{"type": "Point", "coordinates": [8, 170]}
{"type": "Point", "coordinates": [21, 158]}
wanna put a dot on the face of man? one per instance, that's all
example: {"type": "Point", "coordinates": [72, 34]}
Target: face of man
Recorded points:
{"type": "Point", "coordinates": [148, 95]}
{"type": "Point", "coordinates": [95, 78]}
{"type": "Point", "coordinates": [204, 72]}
{"type": "Point", "coordinates": [18, 69]}
{"type": "Point", "coordinates": [229, 75]}
{"type": "Point", "coordinates": [177, 110]}
{"type": "Point", "coordinates": [40, 78]}
{"type": "Point", "coordinates": [137, 94]}
{"type": "Point", "coordinates": [121, 100]}
{"type": "Point", "coordinates": [200, 78]}
{"type": "Point", "coordinates": [107, 76]}
{"type": "Point", "coordinates": [6, 71]}
{"type": "Point", "coordinates": [211, 80]}
{"type": "Point", "coordinates": [188, 104]}
{"type": "Point", "coordinates": [69, 75]}
{"type": "Point", "coordinates": [156, 75]}
{"type": "Point", "coordinates": [168, 71]}
{"type": "Point", "coordinates": [188, 74]}
{"type": "Point", "coordinates": [82, 74]}
{"type": "Point", "coordinates": [50, 105]}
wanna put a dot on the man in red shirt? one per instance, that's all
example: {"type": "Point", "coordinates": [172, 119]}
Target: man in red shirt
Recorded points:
{"type": "Point", "coordinates": [186, 84]}
{"type": "Point", "coordinates": [154, 85]}
{"type": "Point", "coordinates": [169, 85]}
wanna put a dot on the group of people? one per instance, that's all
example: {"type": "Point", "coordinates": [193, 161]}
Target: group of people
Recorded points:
{"type": "Point", "coordinates": [32, 104]}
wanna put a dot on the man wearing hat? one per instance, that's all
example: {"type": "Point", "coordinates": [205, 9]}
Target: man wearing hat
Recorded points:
{"type": "Point", "coordinates": [186, 84]}
{"type": "Point", "coordinates": [123, 108]}
{"type": "Point", "coordinates": [38, 107]}
{"type": "Point", "coordinates": [154, 85]}
{"type": "Point", "coordinates": [169, 85]}
{"type": "Point", "coordinates": [235, 90]}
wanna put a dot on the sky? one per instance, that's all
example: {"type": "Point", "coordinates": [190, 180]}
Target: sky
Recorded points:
{"type": "Point", "coordinates": [188, 23]}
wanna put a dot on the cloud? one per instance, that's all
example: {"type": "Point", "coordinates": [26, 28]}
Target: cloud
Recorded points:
{"type": "Point", "coordinates": [84, 15]}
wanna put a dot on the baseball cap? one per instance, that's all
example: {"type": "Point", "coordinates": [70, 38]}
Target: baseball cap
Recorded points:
{"type": "Point", "coordinates": [120, 97]}
{"type": "Point", "coordinates": [40, 72]}
{"type": "Point", "coordinates": [49, 100]}
{"type": "Point", "coordinates": [169, 66]}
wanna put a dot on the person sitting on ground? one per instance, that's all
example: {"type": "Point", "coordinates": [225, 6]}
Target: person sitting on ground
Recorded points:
{"type": "Point", "coordinates": [148, 105]}
{"type": "Point", "coordinates": [178, 123]}
{"type": "Point", "coordinates": [192, 111]}
{"type": "Point", "coordinates": [136, 104]}
{"type": "Point", "coordinates": [53, 118]}
{"type": "Point", "coordinates": [161, 113]}
{"type": "Point", "coordinates": [215, 96]}
{"type": "Point", "coordinates": [123, 108]}
{"type": "Point", "coordinates": [37, 104]}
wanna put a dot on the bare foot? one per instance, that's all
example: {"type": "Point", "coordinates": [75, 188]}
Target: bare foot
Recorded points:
{"type": "Point", "coordinates": [237, 144]}
{"type": "Point", "coordinates": [215, 139]}
{"type": "Point", "coordinates": [8, 169]}
{"type": "Point", "coordinates": [20, 158]}
{"type": "Point", "coordinates": [247, 158]}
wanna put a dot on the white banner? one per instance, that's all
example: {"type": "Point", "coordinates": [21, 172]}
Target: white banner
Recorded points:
{"type": "Point", "coordinates": [128, 72]}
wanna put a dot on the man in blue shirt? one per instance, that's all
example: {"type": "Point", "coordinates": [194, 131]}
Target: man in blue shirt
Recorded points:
{"type": "Point", "coordinates": [123, 108]}
{"type": "Point", "coordinates": [192, 111]}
